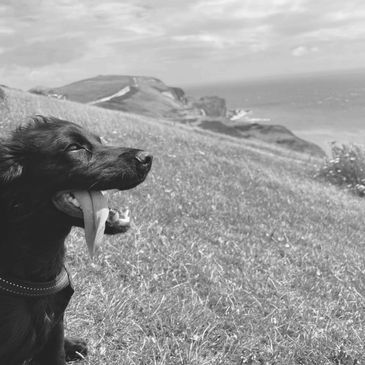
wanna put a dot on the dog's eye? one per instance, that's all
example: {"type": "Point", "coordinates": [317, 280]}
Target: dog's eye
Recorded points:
{"type": "Point", "coordinates": [73, 147]}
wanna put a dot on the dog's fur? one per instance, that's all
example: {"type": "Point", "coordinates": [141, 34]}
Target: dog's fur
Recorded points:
{"type": "Point", "coordinates": [44, 157]}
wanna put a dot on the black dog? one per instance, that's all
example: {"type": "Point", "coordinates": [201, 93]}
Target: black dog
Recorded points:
{"type": "Point", "coordinates": [37, 162]}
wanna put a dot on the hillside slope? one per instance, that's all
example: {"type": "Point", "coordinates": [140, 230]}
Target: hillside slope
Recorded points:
{"type": "Point", "coordinates": [151, 97]}
{"type": "Point", "coordinates": [237, 256]}
{"type": "Point", "coordinates": [136, 94]}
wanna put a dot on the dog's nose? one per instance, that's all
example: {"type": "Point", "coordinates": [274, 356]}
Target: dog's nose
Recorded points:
{"type": "Point", "coordinates": [144, 157]}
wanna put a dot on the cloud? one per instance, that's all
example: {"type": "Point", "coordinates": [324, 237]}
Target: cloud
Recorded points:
{"type": "Point", "coordinates": [6, 30]}
{"type": "Point", "coordinates": [210, 39]}
{"type": "Point", "coordinates": [301, 51]}
{"type": "Point", "coordinates": [41, 53]}
{"type": "Point", "coordinates": [221, 37]}
{"type": "Point", "coordinates": [335, 34]}
{"type": "Point", "coordinates": [246, 9]}
{"type": "Point", "coordinates": [341, 15]}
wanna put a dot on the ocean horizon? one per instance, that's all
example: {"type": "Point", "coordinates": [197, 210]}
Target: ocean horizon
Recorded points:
{"type": "Point", "coordinates": [322, 108]}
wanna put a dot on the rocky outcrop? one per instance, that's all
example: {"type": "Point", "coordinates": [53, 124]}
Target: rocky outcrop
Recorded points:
{"type": "Point", "coordinates": [179, 94]}
{"type": "Point", "coordinates": [213, 106]}
{"type": "Point", "coordinates": [279, 135]}
{"type": "Point", "coordinates": [38, 90]}
{"type": "Point", "coordinates": [273, 134]}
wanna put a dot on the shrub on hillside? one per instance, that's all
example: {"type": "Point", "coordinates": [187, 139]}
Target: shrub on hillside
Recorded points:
{"type": "Point", "coordinates": [346, 168]}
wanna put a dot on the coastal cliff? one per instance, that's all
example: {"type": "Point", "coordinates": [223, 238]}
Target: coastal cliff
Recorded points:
{"type": "Point", "coordinates": [151, 97]}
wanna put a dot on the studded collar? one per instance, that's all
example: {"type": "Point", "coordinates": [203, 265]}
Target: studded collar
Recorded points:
{"type": "Point", "coordinates": [34, 289]}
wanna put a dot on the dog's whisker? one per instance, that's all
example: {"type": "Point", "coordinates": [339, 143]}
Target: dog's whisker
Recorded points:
{"type": "Point", "coordinates": [91, 186]}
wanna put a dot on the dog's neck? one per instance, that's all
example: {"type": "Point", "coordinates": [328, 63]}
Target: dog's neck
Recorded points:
{"type": "Point", "coordinates": [33, 249]}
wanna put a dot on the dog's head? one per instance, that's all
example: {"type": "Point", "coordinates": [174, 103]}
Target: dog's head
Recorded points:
{"type": "Point", "coordinates": [43, 163]}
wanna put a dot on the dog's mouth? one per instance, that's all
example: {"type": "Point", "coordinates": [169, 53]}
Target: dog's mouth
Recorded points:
{"type": "Point", "coordinates": [93, 208]}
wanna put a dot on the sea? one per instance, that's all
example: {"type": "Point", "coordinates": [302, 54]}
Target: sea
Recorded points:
{"type": "Point", "coordinates": [322, 107]}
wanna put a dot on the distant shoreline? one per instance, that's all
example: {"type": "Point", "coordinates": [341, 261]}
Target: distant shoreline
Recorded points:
{"type": "Point", "coordinates": [321, 108]}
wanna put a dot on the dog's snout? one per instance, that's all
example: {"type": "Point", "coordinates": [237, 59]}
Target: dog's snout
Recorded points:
{"type": "Point", "coordinates": [144, 157]}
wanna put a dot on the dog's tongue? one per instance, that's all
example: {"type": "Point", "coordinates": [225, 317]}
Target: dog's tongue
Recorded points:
{"type": "Point", "coordinates": [95, 209]}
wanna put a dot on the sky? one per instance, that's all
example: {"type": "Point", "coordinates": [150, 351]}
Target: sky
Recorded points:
{"type": "Point", "coordinates": [183, 42]}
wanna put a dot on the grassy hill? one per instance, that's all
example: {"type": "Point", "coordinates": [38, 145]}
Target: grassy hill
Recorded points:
{"type": "Point", "coordinates": [142, 95]}
{"type": "Point", "coordinates": [149, 96]}
{"type": "Point", "coordinates": [237, 255]}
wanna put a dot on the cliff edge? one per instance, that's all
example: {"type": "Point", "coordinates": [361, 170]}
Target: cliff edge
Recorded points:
{"type": "Point", "coordinates": [151, 97]}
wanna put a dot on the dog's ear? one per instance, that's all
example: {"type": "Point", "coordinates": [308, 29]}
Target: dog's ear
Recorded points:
{"type": "Point", "coordinates": [10, 168]}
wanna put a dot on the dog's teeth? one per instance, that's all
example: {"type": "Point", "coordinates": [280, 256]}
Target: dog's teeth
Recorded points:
{"type": "Point", "coordinates": [114, 216]}
{"type": "Point", "coordinates": [124, 222]}
{"type": "Point", "coordinates": [71, 199]}
{"type": "Point", "coordinates": [76, 203]}
{"type": "Point", "coordinates": [125, 218]}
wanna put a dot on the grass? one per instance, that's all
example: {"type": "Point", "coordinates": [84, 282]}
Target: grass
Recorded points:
{"type": "Point", "coordinates": [237, 255]}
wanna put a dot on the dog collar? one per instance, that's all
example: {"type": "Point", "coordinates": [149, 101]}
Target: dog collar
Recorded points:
{"type": "Point", "coordinates": [35, 289]}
